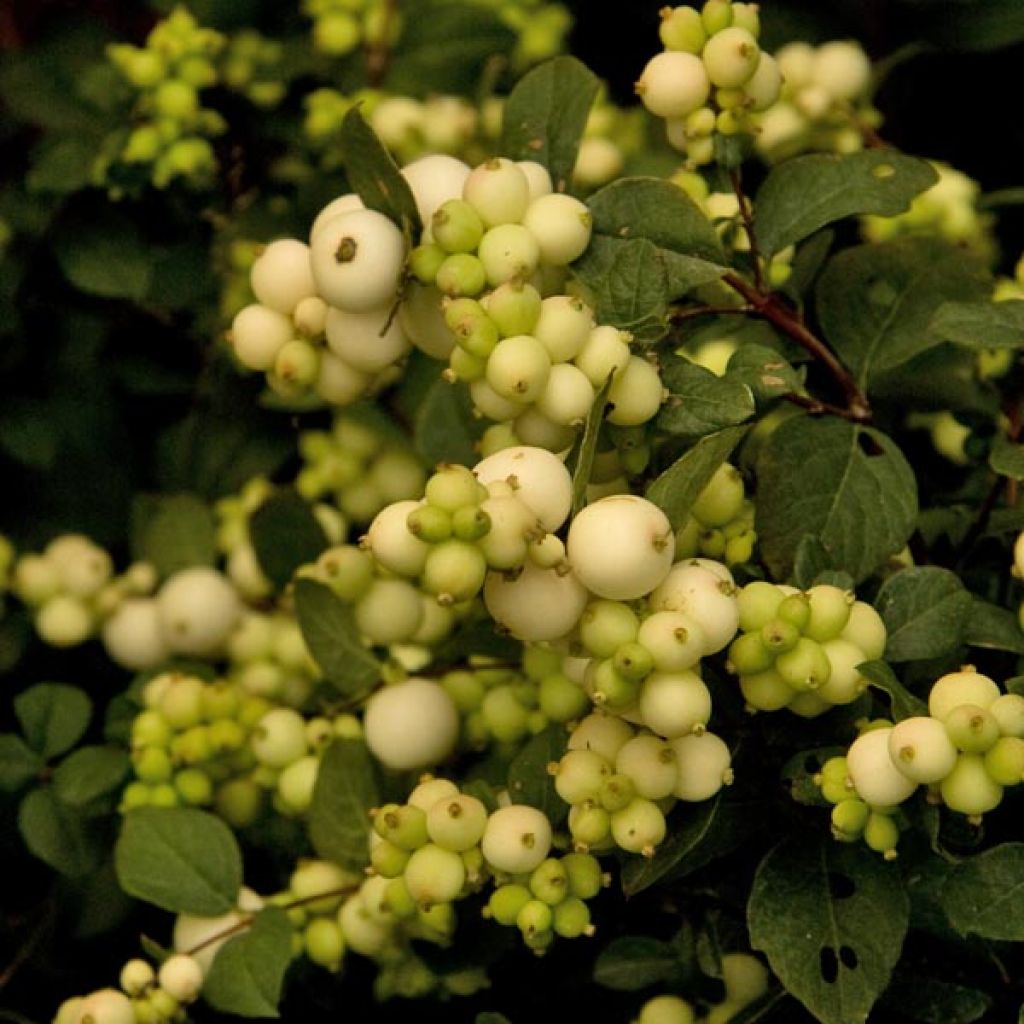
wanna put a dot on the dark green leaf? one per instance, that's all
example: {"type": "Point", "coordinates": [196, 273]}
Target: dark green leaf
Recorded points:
{"type": "Point", "coordinates": [19, 764]}
{"type": "Point", "coordinates": [247, 973]}
{"type": "Point", "coordinates": [61, 165]}
{"type": "Point", "coordinates": [582, 459]}
{"type": "Point", "coordinates": [489, 1017]}
{"type": "Point", "coordinates": [285, 534]}
{"type": "Point", "coordinates": [528, 779]}
{"type": "Point", "coordinates": [330, 633]}
{"type": "Point", "coordinates": [849, 485]}
{"type": "Point", "coordinates": [632, 962]}
{"type": "Point", "coordinates": [902, 702]}
{"type": "Point", "coordinates": [58, 835]}
{"type": "Point", "coordinates": [659, 211]}
{"type": "Point", "coordinates": [697, 834]}
{"type": "Point", "coordinates": [90, 773]}
{"type": "Point", "coordinates": [339, 821]}
{"type": "Point", "coordinates": [1007, 458]}
{"type": "Point", "coordinates": [103, 253]}
{"type": "Point", "coordinates": [992, 627]}
{"type": "Point", "coordinates": [374, 174]}
{"type": "Point", "coordinates": [876, 302]}
{"type": "Point", "coordinates": [804, 194]}
{"type": "Point", "coordinates": [444, 428]}
{"type": "Point", "coordinates": [173, 531]}
{"type": "Point", "coordinates": [700, 403]}
{"type": "Point", "coordinates": [980, 325]}
{"type": "Point", "coordinates": [678, 487]}
{"type": "Point", "coordinates": [445, 47]}
{"type": "Point", "coordinates": [985, 25]}
{"type": "Point", "coordinates": [629, 282]}
{"type": "Point", "coordinates": [807, 263]}
{"type": "Point", "coordinates": [545, 115]}
{"type": "Point", "coordinates": [831, 918]}
{"type": "Point", "coordinates": [933, 1001]}
{"type": "Point", "coordinates": [984, 894]}
{"type": "Point", "coordinates": [180, 859]}
{"type": "Point", "coordinates": [53, 717]}
{"type": "Point", "coordinates": [764, 372]}
{"type": "Point", "coordinates": [812, 559]}
{"type": "Point", "coordinates": [924, 609]}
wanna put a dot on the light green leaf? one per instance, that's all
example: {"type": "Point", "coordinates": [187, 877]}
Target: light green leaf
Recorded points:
{"type": "Point", "coordinates": [924, 609]}
{"type": "Point", "coordinates": [848, 485]}
{"type": "Point", "coordinates": [183, 860]}
{"type": "Point", "coordinates": [831, 918]}
{"type": "Point", "coordinates": [285, 534]}
{"type": "Point", "coordinates": [90, 773]}
{"type": "Point", "coordinates": [19, 764]}
{"type": "Point", "coordinates": [876, 302]}
{"type": "Point", "coordinates": [700, 403]}
{"type": "Point", "coordinates": [984, 894]}
{"type": "Point", "coordinates": [678, 487]}
{"type": "Point", "coordinates": [979, 325]}
{"type": "Point", "coordinates": [629, 283]}
{"type": "Point", "coordinates": [1007, 458]}
{"type": "Point", "coordinates": [58, 835]}
{"type": "Point", "coordinates": [528, 779]}
{"type": "Point", "coordinates": [801, 195]}
{"type": "Point", "coordinates": [993, 628]}
{"type": "Point", "coordinates": [633, 962]}
{"type": "Point", "coordinates": [247, 973]}
{"type": "Point", "coordinates": [330, 633]}
{"type": "Point", "coordinates": [53, 717]}
{"type": "Point", "coordinates": [545, 115]}
{"type": "Point", "coordinates": [173, 531]}
{"type": "Point", "coordinates": [374, 174]}
{"type": "Point", "coordinates": [345, 790]}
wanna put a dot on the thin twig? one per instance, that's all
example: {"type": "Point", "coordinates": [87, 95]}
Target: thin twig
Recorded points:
{"type": "Point", "coordinates": [747, 216]}
{"type": "Point", "coordinates": [28, 947]}
{"type": "Point", "coordinates": [816, 407]}
{"type": "Point", "coordinates": [771, 308]}
{"type": "Point", "coordinates": [378, 53]}
{"type": "Point", "coordinates": [678, 315]}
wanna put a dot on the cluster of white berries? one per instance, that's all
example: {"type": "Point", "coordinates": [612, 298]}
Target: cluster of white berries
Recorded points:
{"type": "Point", "coordinates": [801, 649]}
{"type": "Point", "coordinates": [712, 76]}
{"type": "Point", "coordinates": [824, 102]}
{"type": "Point", "coordinates": [966, 750]}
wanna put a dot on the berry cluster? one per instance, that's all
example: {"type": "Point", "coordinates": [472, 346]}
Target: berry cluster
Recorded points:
{"type": "Point", "coordinates": [721, 521]}
{"type": "Point", "coordinates": [949, 210]}
{"type": "Point", "coordinates": [824, 103]}
{"type": "Point", "coordinates": [252, 65]}
{"type": "Point", "coordinates": [801, 650]}
{"type": "Point", "coordinates": [967, 750]}
{"type": "Point", "coordinates": [172, 129]}
{"type": "Point", "coordinates": [267, 656]}
{"type": "Point", "coordinates": [712, 78]}
{"type": "Point", "coordinates": [340, 26]}
{"type": "Point", "coordinates": [620, 782]}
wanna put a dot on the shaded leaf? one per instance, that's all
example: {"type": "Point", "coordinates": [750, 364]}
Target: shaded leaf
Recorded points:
{"type": "Point", "coordinates": [633, 962]}
{"type": "Point", "coordinates": [924, 609]}
{"type": "Point", "coordinates": [173, 531]}
{"type": "Point", "coordinates": [1007, 458]}
{"type": "Point", "coordinates": [902, 702]}
{"type": "Point", "coordinates": [766, 373]}
{"type": "Point", "coordinates": [528, 779]}
{"type": "Point", "coordinates": [53, 717]}
{"type": "Point", "coordinates": [980, 325]}
{"type": "Point", "coordinates": [345, 790]}
{"type": "Point", "coordinates": [701, 403]}
{"type": "Point", "coordinates": [545, 114]}
{"type": "Point", "coordinates": [992, 627]}
{"type": "Point", "coordinates": [984, 894]}
{"type": "Point", "coordinates": [285, 534]}
{"type": "Point", "coordinates": [103, 253]}
{"type": "Point", "coordinates": [59, 836]}
{"type": "Point", "coordinates": [19, 764]}
{"type": "Point", "coordinates": [90, 773]}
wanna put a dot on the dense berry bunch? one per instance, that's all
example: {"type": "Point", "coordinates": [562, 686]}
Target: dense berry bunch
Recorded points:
{"type": "Point", "coordinates": [801, 650]}
{"type": "Point", "coordinates": [721, 521]}
{"type": "Point", "coordinates": [252, 65]}
{"type": "Point", "coordinates": [712, 78]}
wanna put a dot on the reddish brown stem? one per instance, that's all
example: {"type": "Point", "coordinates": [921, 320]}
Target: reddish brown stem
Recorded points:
{"type": "Point", "coordinates": [747, 216]}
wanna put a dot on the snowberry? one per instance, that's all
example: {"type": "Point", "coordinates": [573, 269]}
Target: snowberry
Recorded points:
{"type": "Point", "coordinates": [181, 977]}
{"type": "Point", "coordinates": [457, 823]}
{"type": "Point", "coordinates": [969, 788]}
{"type": "Point", "coordinates": [1004, 761]}
{"type": "Point", "coordinates": [603, 734]}
{"type": "Point", "coordinates": [963, 687]}
{"type": "Point", "coordinates": [132, 635]}
{"type": "Point", "coordinates": [830, 611]}
{"type": "Point", "coordinates": [434, 180]}
{"type": "Point", "coordinates": [390, 611]}
{"type": "Point", "coordinates": [136, 976]}
{"type": "Point", "coordinates": [691, 588]}
{"type": "Point", "coordinates": [561, 225]}
{"type": "Point", "coordinates": [673, 84]}
{"type": "Point", "coordinates": [514, 307]}
{"type": "Point", "coordinates": [537, 177]}
{"type": "Point", "coordinates": [507, 252]}
{"type": "Point", "coordinates": [674, 703]}
{"type": "Point", "coordinates": [842, 69]}
{"type": "Point", "coordinates": [673, 639]}
{"type": "Point", "coordinates": [744, 976]}
{"type": "Point", "coordinates": [563, 327]}
{"type": "Point", "coordinates": [866, 630]}
{"type": "Point", "coordinates": [339, 383]}
{"type": "Point", "coordinates": [639, 827]}
{"type": "Point", "coordinates": [393, 544]}
{"type": "Point", "coordinates": [538, 479]}
{"type": "Point", "coordinates": [518, 368]}
{"type": "Point", "coordinates": [434, 875]}
{"type": "Point", "coordinates": [1008, 711]}
{"type": "Point", "coordinates": [279, 738]}
{"type": "Point", "coordinates": [281, 276]}
{"type": "Point", "coordinates": [704, 766]}
{"type": "Point", "coordinates": [763, 87]}
{"type": "Point", "coordinates": [731, 57]}
{"type": "Point", "coordinates": [210, 933]}
{"type": "Point", "coordinates": [537, 604]}
{"type": "Point", "coordinates": [667, 1009]}
{"type": "Point", "coordinates": [875, 777]}
{"type": "Point", "coordinates": [335, 208]}
{"type": "Point", "coordinates": [198, 609]}
{"type": "Point", "coordinates": [517, 839]}
{"type": "Point", "coordinates": [454, 570]}
{"type": "Point", "coordinates": [971, 728]}
{"type": "Point", "coordinates": [369, 342]}
{"type": "Point", "coordinates": [604, 353]}
{"type": "Point", "coordinates": [844, 683]}
{"type": "Point", "coordinates": [357, 261]}
{"type": "Point", "coordinates": [64, 621]}
{"type": "Point", "coordinates": [498, 190]}
{"type": "Point", "coordinates": [362, 931]}
{"type": "Point", "coordinates": [651, 764]}
{"type": "Point", "coordinates": [637, 561]}
{"type": "Point", "coordinates": [533, 428]}
{"type": "Point", "coordinates": [456, 226]}
{"type": "Point", "coordinates": [636, 393]}
{"type": "Point", "coordinates": [921, 749]}
{"type": "Point", "coordinates": [107, 1006]}
{"type": "Point", "coordinates": [411, 724]}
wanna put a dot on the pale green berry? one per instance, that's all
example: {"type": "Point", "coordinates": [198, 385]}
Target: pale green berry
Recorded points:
{"type": "Point", "coordinates": [457, 823]}
{"type": "Point", "coordinates": [389, 612]}
{"type": "Point", "coordinates": [636, 393]}
{"type": "Point", "coordinates": [963, 687]}
{"type": "Point", "coordinates": [639, 827]}
{"type": "Point", "coordinates": [673, 84]}
{"type": "Point", "coordinates": [731, 57]}
{"type": "Point", "coordinates": [498, 190]}
{"type": "Point", "coordinates": [456, 226]}
{"type": "Point", "coordinates": [579, 775]}
{"type": "Point", "coordinates": [411, 724]}
{"type": "Point", "coordinates": [674, 703]}
{"type": "Point", "coordinates": [506, 903]}
{"type": "Point", "coordinates": [921, 749]}
{"type": "Point", "coordinates": [766, 691]}
{"type": "Point", "coordinates": [434, 875]}
{"type": "Point", "coordinates": [704, 765]}
{"type": "Point", "coordinates": [681, 29]}
{"type": "Point", "coordinates": [651, 764]}
{"type": "Point", "coordinates": [1004, 761]}
{"type": "Point", "coordinates": [829, 612]}
{"type": "Point", "coordinates": [517, 839]}
{"type": "Point", "coordinates": [971, 728]}
{"type": "Point", "coordinates": [757, 604]}
{"type": "Point", "coordinates": [875, 777]}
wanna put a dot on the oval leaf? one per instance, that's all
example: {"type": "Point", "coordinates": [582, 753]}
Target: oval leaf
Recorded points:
{"type": "Point", "coordinates": [924, 609]}
{"type": "Point", "coordinates": [53, 717]}
{"type": "Point", "coordinates": [285, 534]}
{"type": "Point", "coordinates": [345, 790]}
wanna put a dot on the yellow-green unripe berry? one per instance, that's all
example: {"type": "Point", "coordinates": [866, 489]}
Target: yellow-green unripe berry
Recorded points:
{"type": "Point", "coordinates": [506, 902]}
{"type": "Point", "coordinates": [722, 498]}
{"type": "Point", "coordinates": [830, 611]}
{"type": "Point", "coordinates": [405, 825]}
{"type": "Point", "coordinates": [881, 834]}
{"type": "Point", "coordinates": [607, 625]}
{"type": "Point", "coordinates": [758, 603]}
{"type": "Point", "coordinates": [744, 976]}
{"type": "Point", "coordinates": [534, 919]}
{"type": "Point", "coordinates": [579, 775]}
{"type": "Point", "coordinates": [518, 368]}
{"type": "Point", "coordinates": [434, 875]}
{"type": "Point", "coordinates": [387, 859]}
{"type": "Point", "coordinates": [560, 699]}
{"type": "Point", "coordinates": [549, 881]}
{"type": "Point", "coordinates": [805, 666]}
{"type": "Point", "coordinates": [584, 873]}
{"type": "Point", "coordinates": [1004, 761]}
{"type": "Point", "coordinates": [430, 524]}
{"type": "Point", "coordinates": [324, 943]}
{"type": "Point", "coordinates": [749, 655]}
{"type": "Point", "coordinates": [506, 718]}
{"type": "Point", "coordinates": [398, 900]}
{"type": "Point", "coordinates": [971, 728]}
{"type": "Point", "coordinates": [571, 918]}
{"type": "Point", "coordinates": [194, 787]}
{"type": "Point", "coordinates": [766, 691]}
{"type": "Point", "coordinates": [681, 28]}
{"type": "Point", "coordinates": [795, 609]}
{"type": "Point", "coordinates": [635, 661]}
{"type": "Point", "coordinates": [716, 15]}
{"type": "Point", "coordinates": [457, 227]}
{"type": "Point", "coordinates": [609, 688]}
{"type": "Point", "coordinates": [616, 792]}
{"type": "Point", "coordinates": [666, 1009]}
{"type": "Point", "coordinates": [454, 571]}
{"type": "Point", "coordinates": [461, 274]}
{"type": "Point", "coordinates": [457, 823]}
{"type": "Point", "coordinates": [514, 307]}
{"type": "Point", "coordinates": [849, 817]}
{"type": "Point", "coordinates": [425, 261]}
{"type": "Point", "coordinates": [779, 636]}
{"type": "Point", "coordinates": [639, 827]}
{"type": "Point", "coordinates": [465, 690]}
{"type": "Point", "coordinates": [589, 825]}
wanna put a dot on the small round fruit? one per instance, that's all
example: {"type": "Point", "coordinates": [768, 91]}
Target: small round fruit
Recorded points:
{"type": "Point", "coordinates": [875, 777]}
{"type": "Point", "coordinates": [922, 750]}
{"type": "Point", "coordinates": [517, 839]}
{"type": "Point", "coordinates": [412, 724]}
{"type": "Point", "coordinates": [674, 84]}
{"type": "Point", "coordinates": [198, 609]}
